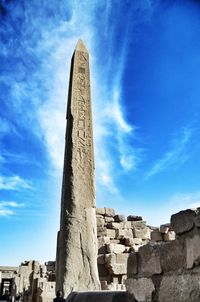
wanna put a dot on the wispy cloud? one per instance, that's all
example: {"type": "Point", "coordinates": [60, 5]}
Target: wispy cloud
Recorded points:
{"type": "Point", "coordinates": [176, 156]}
{"type": "Point", "coordinates": [13, 183]}
{"type": "Point", "coordinates": [8, 208]}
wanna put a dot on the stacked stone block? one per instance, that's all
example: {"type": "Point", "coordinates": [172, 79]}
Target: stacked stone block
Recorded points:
{"type": "Point", "coordinates": [117, 238]}
{"type": "Point", "coordinates": [168, 271]}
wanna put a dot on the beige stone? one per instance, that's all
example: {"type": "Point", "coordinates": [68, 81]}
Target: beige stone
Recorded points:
{"type": "Point", "coordinates": [111, 233]}
{"type": "Point", "coordinates": [100, 211]}
{"type": "Point", "coordinates": [119, 218]}
{"type": "Point", "coordinates": [183, 221]}
{"type": "Point", "coordinates": [77, 244]}
{"type": "Point", "coordinates": [109, 212]}
{"type": "Point", "coordinates": [164, 228]}
{"type": "Point", "coordinates": [149, 260]}
{"type": "Point", "coordinates": [100, 221]}
{"type": "Point", "coordinates": [115, 225]}
{"type": "Point", "coordinates": [142, 233]}
{"type": "Point", "coordinates": [115, 248]}
{"type": "Point", "coordinates": [122, 258]}
{"type": "Point", "coordinates": [141, 289]}
{"type": "Point", "coordinates": [169, 236]}
{"type": "Point", "coordinates": [133, 241]}
{"type": "Point", "coordinates": [124, 233]}
{"type": "Point", "coordinates": [109, 219]}
{"type": "Point", "coordinates": [180, 288]}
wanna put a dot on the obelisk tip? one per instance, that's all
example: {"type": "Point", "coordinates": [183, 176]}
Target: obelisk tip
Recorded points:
{"type": "Point", "coordinates": [80, 46]}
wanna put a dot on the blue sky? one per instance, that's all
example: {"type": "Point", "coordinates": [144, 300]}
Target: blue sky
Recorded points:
{"type": "Point", "coordinates": [145, 71]}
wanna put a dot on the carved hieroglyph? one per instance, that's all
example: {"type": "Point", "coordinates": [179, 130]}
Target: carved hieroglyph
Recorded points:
{"type": "Point", "coordinates": [77, 247]}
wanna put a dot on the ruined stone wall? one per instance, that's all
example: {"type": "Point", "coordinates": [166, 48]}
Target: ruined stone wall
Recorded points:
{"type": "Point", "coordinates": [117, 239]}
{"type": "Point", "coordinates": [168, 271]}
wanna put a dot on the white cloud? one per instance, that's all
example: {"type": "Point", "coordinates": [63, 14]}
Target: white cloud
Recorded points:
{"type": "Point", "coordinates": [8, 208]}
{"type": "Point", "coordinates": [13, 183]}
{"type": "Point", "coordinates": [176, 156]}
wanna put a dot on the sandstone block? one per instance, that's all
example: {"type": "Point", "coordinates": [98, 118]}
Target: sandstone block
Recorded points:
{"type": "Point", "coordinates": [180, 288]}
{"type": "Point", "coordinates": [192, 251]}
{"type": "Point", "coordinates": [156, 236]}
{"type": "Point", "coordinates": [142, 233]}
{"type": "Point", "coordinates": [101, 231]}
{"type": "Point", "coordinates": [183, 221]}
{"type": "Point", "coordinates": [109, 219]}
{"type": "Point", "coordinates": [114, 241]}
{"type": "Point", "coordinates": [149, 260]}
{"type": "Point", "coordinates": [111, 233]}
{"type": "Point", "coordinates": [127, 225]}
{"type": "Point", "coordinates": [115, 248]}
{"type": "Point", "coordinates": [115, 225]}
{"type": "Point", "coordinates": [118, 269]}
{"type": "Point", "coordinates": [133, 241]}
{"type": "Point", "coordinates": [122, 233]}
{"type": "Point", "coordinates": [169, 236]}
{"type": "Point", "coordinates": [134, 218]}
{"type": "Point", "coordinates": [102, 240]}
{"type": "Point", "coordinates": [122, 258]}
{"type": "Point", "coordinates": [141, 289]}
{"type": "Point", "coordinates": [100, 221]}
{"type": "Point", "coordinates": [172, 255]}
{"type": "Point", "coordinates": [119, 218]}
{"type": "Point", "coordinates": [110, 259]}
{"type": "Point", "coordinates": [100, 211]}
{"type": "Point", "coordinates": [164, 228]}
{"type": "Point", "coordinates": [109, 212]}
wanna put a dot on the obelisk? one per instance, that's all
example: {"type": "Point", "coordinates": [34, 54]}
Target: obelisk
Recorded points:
{"type": "Point", "coordinates": [76, 261]}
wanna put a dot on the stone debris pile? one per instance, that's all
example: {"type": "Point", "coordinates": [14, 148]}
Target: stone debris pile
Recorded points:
{"type": "Point", "coordinates": [117, 238]}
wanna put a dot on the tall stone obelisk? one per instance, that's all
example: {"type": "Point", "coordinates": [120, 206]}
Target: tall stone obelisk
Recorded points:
{"type": "Point", "coordinates": [76, 245]}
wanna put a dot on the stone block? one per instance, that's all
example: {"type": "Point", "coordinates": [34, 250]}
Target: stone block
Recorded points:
{"type": "Point", "coordinates": [127, 225]}
{"type": "Point", "coordinates": [134, 218]}
{"type": "Point", "coordinates": [172, 255]}
{"type": "Point", "coordinates": [109, 212]}
{"type": "Point", "coordinates": [132, 264]}
{"type": "Point", "coordinates": [149, 260]}
{"type": "Point", "coordinates": [197, 218]}
{"type": "Point", "coordinates": [115, 279]}
{"type": "Point", "coordinates": [104, 285]}
{"type": "Point", "coordinates": [110, 259]}
{"type": "Point", "coordinates": [114, 241]}
{"type": "Point", "coordinates": [115, 248]}
{"type": "Point", "coordinates": [103, 272]}
{"type": "Point", "coordinates": [127, 249]}
{"type": "Point", "coordinates": [111, 233]}
{"type": "Point", "coordinates": [124, 233]}
{"type": "Point", "coordinates": [118, 269]}
{"type": "Point", "coordinates": [141, 289]}
{"type": "Point", "coordinates": [101, 231]}
{"type": "Point", "coordinates": [192, 251]}
{"type": "Point", "coordinates": [169, 236]}
{"type": "Point", "coordinates": [183, 221]}
{"type": "Point", "coordinates": [100, 211]}
{"type": "Point", "coordinates": [164, 228]}
{"type": "Point", "coordinates": [102, 240]}
{"type": "Point", "coordinates": [138, 224]}
{"type": "Point", "coordinates": [109, 219]}
{"type": "Point", "coordinates": [119, 218]}
{"type": "Point", "coordinates": [115, 225]}
{"type": "Point", "coordinates": [133, 241]}
{"type": "Point", "coordinates": [100, 221]}
{"type": "Point", "coordinates": [142, 233]}
{"type": "Point", "coordinates": [122, 258]}
{"type": "Point", "coordinates": [101, 259]}
{"type": "Point", "coordinates": [179, 288]}
{"type": "Point", "coordinates": [156, 236]}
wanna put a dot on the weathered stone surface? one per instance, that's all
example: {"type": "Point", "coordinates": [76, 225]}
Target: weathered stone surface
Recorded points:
{"type": "Point", "coordinates": [134, 218]}
{"type": "Point", "coordinates": [122, 233]}
{"type": "Point", "coordinates": [133, 241]}
{"type": "Point", "coordinates": [141, 289]}
{"type": "Point", "coordinates": [183, 221]}
{"type": "Point", "coordinates": [115, 225]}
{"type": "Point", "coordinates": [118, 269]}
{"type": "Point", "coordinates": [192, 251]}
{"type": "Point", "coordinates": [164, 228]}
{"type": "Point", "coordinates": [109, 212]}
{"type": "Point", "coordinates": [100, 221]}
{"type": "Point", "coordinates": [197, 218]}
{"type": "Point", "coordinates": [156, 236]}
{"type": "Point", "coordinates": [111, 233]}
{"type": "Point", "coordinates": [180, 288]}
{"type": "Point", "coordinates": [101, 259]}
{"type": "Point", "coordinates": [77, 243]}
{"type": "Point", "coordinates": [101, 244]}
{"type": "Point", "coordinates": [149, 260]}
{"type": "Point", "coordinates": [142, 233]}
{"type": "Point", "coordinates": [122, 258]}
{"type": "Point", "coordinates": [101, 231]}
{"type": "Point", "coordinates": [100, 211]}
{"type": "Point", "coordinates": [115, 248]}
{"type": "Point", "coordinates": [172, 255]}
{"type": "Point", "coordinates": [110, 259]}
{"type": "Point", "coordinates": [119, 218]}
{"type": "Point", "coordinates": [171, 235]}
{"type": "Point", "coordinates": [132, 265]}
{"type": "Point", "coordinates": [109, 219]}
